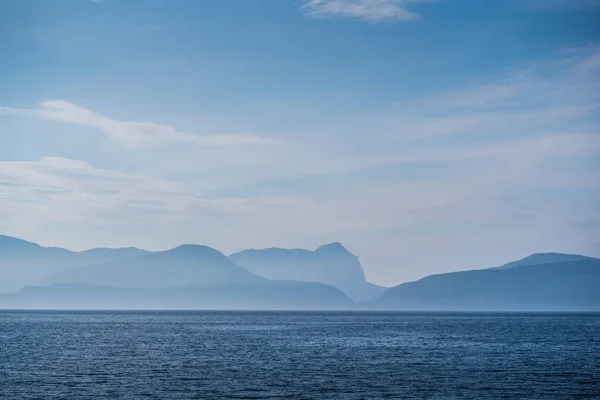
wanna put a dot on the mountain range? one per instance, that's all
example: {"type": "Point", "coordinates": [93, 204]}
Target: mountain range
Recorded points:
{"type": "Point", "coordinates": [185, 276]}
{"type": "Point", "coordinates": [183, 265]}
{"type": "Point", "coordinates": [25, 263]}
{"type": "Point", "coordinates": [330, 277]}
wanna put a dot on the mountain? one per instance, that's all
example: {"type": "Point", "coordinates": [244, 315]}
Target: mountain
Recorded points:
{"type": "Point", "coordinates": [330, 264]}
{"type": "Point", "coordinates": [25, 263]}
{"type": "Point", "coordinates": [183, 265]}
{"type": "Point", "coordinates": [104, 254]}
{"type": "Point", "coordinates": [11, 247]}
{"type": "Point", "coordinates": [194, 276]}
{"type": "Point", "coordinates": [257, 295]}
{"type": "Point", "coordinates": [544, 258]}
{"type": "Point", "coordinates": [569, 286]}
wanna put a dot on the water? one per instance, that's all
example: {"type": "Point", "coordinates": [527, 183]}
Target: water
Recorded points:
{"type": "Point", "coordinates": [297, 355]}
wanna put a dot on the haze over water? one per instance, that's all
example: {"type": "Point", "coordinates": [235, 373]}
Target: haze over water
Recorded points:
{"type": "Point", "coordinates": [298, 355]}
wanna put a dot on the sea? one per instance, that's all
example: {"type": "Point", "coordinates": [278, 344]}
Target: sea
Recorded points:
{"type": "Point", "coordinates": [297, 355]}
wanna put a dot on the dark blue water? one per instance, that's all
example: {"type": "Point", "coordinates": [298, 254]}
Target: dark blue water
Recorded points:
{"type": "Point", "coordinates": [262, 355]}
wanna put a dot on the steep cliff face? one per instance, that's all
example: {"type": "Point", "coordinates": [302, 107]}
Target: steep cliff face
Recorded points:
{"type": "Point", "coordinates": [330, 264]}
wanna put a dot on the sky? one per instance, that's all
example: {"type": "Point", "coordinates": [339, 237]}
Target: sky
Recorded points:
{"type": "Point", "coordinates": [426, 136]}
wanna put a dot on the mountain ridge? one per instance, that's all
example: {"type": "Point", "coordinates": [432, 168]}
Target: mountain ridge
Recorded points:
{"type": "Point", "coordinates": [330, 263]}
{"type": "Point", "coordinates": [553, 286]}
{"type": "Point", "coordinates": [5, 239]}
{"type": "Point", "coordinates": [544, 258]}
{"type": "Point", "coordinates": [536, 282]}
{"type": "Point", "coordinates": [262, 295]}
{"type": "Point", "coordinates": [23, 262]}
{"type": "Point", "coordinates": [185, 264]}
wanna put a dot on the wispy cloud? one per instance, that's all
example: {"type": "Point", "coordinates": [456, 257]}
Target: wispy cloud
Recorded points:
{"type": "Point", "coordinates": [368, 10]}
{"type": "Point", "coordinates": [63, 195]}
{"type": "Point", "coordinates": [127, 133]}
{"type": "Point", "coordinates": [554, 95]}
{"type": "Point", "coordinates": [589, 64]}
{"type": "Point", "coordinates": [57, 191]}
{"type": "Point", "coordinates": [63, 184]}
{"type": "Point", "coordinates": [508, 162]}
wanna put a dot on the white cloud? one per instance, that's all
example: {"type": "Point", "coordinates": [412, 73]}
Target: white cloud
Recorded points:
{"type": "Point", "coordinates": [131, 134]}
{"type": "Point", "coordinates": [36, 196]}
{"type": "Point", "coordinates": [591, 63]}
{"type": "Point", "coordinates": [368, 10]}
{"type": "Point", "coordinates": [80, 189]}
{"type": "Point", "coordinates": [551, 96]}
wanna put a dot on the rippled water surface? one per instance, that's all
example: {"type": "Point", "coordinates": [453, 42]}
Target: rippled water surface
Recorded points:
{"type": "Point", "coordinates": [296, 355]}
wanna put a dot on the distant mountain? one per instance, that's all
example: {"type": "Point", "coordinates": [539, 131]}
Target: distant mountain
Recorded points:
{"type": "Point", "coordinates": [570, 285]}
{"type": "Point", "coordinates": [263, 294]}
{"type": "Point", "coordinates": [194, 276]}
{"type": "Point", "coordinates": [25, 263]}
{"type": "Point", "coordinates": [11, 247]}
{"type": "Point", "coordinates": [183, 265]}
{"type": "Point", "coordinates": [330, 264]}
{"type": "Point", "coordinates": [104, 254]}
{"type": "Point", "coordinates": [544, 258]}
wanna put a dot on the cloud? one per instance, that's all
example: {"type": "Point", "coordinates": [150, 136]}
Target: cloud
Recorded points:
{"type": "Point", "coordinates": [131, 134]}
{"type": "Point", "coordinates": [59, 191]}
{"type": "Point", "coordinates": [368, 10]}
{"type": "Point", "coordinates": [81, 189]}
{"type": "Point", "coordinates": [507, 163]}
{"type": "Point", "coordinates": [539, 100]}
{"type": "Point", "coordinates": [591, 63]}
{"type": "Point", "coordinates": [36, 196]}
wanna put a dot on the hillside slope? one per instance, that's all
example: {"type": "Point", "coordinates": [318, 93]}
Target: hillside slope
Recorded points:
{"type": "Point", "coordinates": [572, 285]}
{"type": "Point", "coordinates": [26, 263]}
{"type": "Point", "coordinates": [183, 265]}
{"type": "Point", "coordinates": [260, 295]}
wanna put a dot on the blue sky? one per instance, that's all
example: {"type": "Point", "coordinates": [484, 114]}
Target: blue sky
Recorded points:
{"type": "Point", "coordinates": [427, 136]}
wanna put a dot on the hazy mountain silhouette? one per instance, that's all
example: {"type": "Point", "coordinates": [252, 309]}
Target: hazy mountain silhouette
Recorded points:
{"type": "Point", "coordinates": [194, 276]}
{"type": "Point", "coordinates": [256, 295]}
{"type": "Point", "coordinates": [544, 258]}
{"type": "Point", "coordinates": [183, 265]}
{"type": "Point", "coordinates": [331, 264]}
{"type": "Point", "coordinates": [569, 285]}
{"type": "Point", "coordinates": [25, 263]}
{"type": "Point", "coordinates": [14, 247]}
